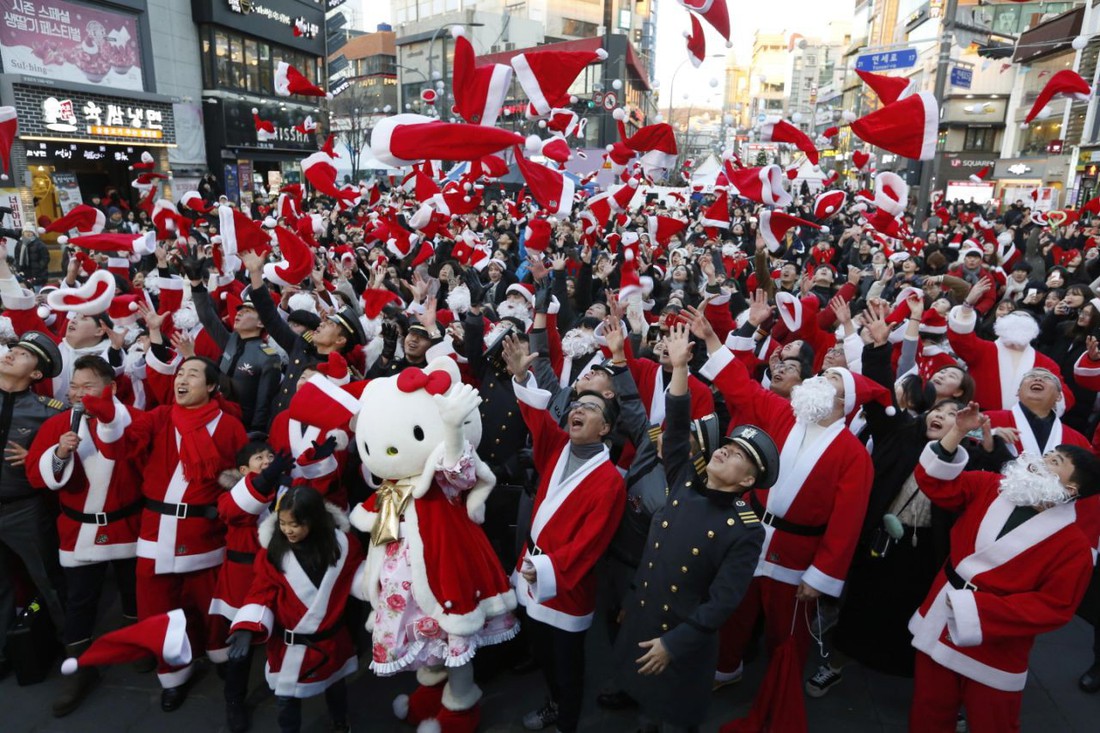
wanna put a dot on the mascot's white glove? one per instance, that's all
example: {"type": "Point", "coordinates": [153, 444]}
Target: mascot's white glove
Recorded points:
{"type": "Point", "coordinates": [454, 408]}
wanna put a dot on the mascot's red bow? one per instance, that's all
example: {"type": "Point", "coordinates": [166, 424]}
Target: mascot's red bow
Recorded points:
{"type": "Point", "coordinates": [414, 378]}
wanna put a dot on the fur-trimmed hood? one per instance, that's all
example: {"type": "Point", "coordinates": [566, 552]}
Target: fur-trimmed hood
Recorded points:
{"type": "Point", "coordinates": [270, 525]}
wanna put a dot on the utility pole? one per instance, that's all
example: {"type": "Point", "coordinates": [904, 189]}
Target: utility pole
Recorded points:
{"type": "Point", "coordinates": [929, 167]}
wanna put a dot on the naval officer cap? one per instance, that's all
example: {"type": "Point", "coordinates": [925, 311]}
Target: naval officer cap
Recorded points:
{"type": "Point", "coordinates": [761, 450]}
{"type": "Point", "coordinates": [44, 348]}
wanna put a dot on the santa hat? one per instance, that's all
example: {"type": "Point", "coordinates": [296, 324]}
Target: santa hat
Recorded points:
{"type": "Point", "coordinates": [163, 635]}
{"type": "Point", "coordinates": [790, 309]}
{"type": "Point", "coordinates": [696, 42]}
{"type": "Point", "coordinates": [909, 127]}
{"type": "Point", "coordinates": [831, 178]}
{"type": "Point", "coordinates": [933, 322]}
{"type": "Point", "coordinates": [479, 91]}
{"type": "Point", "coordinates": [423, 254]}
{"type": "Point", "coordinates": [89, 299]}
{"type": "Point", "coordinates": [328, 147]}
{"type": "Point", "coordinates": [555, 148]}
{"type": "Point", "coordinates": [859, 390]}
{"type": "Point", "coordinates": [147, 163]}
{"type": "Point", "coordinates": [297, 260]}
{"type": "Point", "coordinates": [663, 228]}
{"type": "Point", "coordinates": [980, 175]}
{"type": "Point", "coordinates": [773, 226]}
{"type": "Point", "coordinates": [123, 309]}
{"type": "Point", "coordinates": [629, 282]}
{"type": "Point", "coordinates": [142, 244]}
{"type": "Point", "coordinates": [83, 218]}
{"type": "Point", "coordinates": [527, 290]}
{"type": "Point", "coordinates": [536, 236]}
{"type": "Point", "coordinates": [781, 131]}
{"type": "Point", "coordinates": [600, 208]}
{"type": "Point", "coordinates": [288, 80]}
{"type": "Point", "coordinates": [888, 88]}
{"type": "Point", "coordinates": [325, 405]}
{"type": "Point", "coordinates": [550, 188]}
{"type": "Point", "coordinates": [970, 247]}
{"type": "Point", "coordinates": [306, 126]}
{"type": "Point", "coordinates": [193, 201]}
{"type": "Point", "coordinates": [9, 126]}
{"type": "Point", "coordinates": [490, 166]}
{"type": "Point", "coordinates": [403, 139]}
{"type": "Point", "coordinates": [321, 174]}
{"type": "Point", "coordinates": [564, 121]}
{"type": "Point", "coordinates": [656, 143]}
{"type": "Point", "coordinates": [860, 159]}
{"type": "Point", "coordinates": [546, 76]}
{"type": "Point", "coordinates": [146, 180]}
{"type": "Point", "coordinates": [169, 222]}
{"type": "Point", "coordinates": [265, 129]}
{"type": "Point", "coordinates": [87, 264]}
{"type": "Point", "coordinates": [713, 12]}
{"type": "Point", "coordinates": [240, 234]}
{"type": "Point", "coordinates": [763, 185]}
{"type": "Point", "coordinates": [717, 215]}
{"type": "Point", "coordinates": [891, 193]}
{"type": "Point", "coordinates": [828, 203]}
{"type": "Point", "coordinates": [1065, 82]}
{"type": "Point", "coordinates": [375, 299]}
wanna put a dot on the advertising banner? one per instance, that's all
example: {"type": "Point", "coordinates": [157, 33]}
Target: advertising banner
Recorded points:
{"type": "Point", "coordinates": [66, 41]}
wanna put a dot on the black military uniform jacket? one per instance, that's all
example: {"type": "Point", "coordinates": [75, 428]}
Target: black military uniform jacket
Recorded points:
{"type": "Point", "coordinates": [253, 367]}
{"type": "Point", "coordinates": [300, 351]}
{"type": "Point", "coordinates": [698, 562]}
{"type": "Point", "coordinates": [21, 415]}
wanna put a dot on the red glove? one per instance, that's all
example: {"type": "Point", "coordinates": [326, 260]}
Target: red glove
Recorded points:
{"type": "Point", "coordinates": [336, 368]}
{"type": "Point", "coordinates": [102, 408]}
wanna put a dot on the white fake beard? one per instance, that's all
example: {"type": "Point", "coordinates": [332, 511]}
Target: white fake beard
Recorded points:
{"type": "Point", "coordinates": [185, 319]}
{"type": "Point", "coordinates": [372, 327]}
{"type": "Point", "coordinates": [578, 342]}
{"type": "Point", "coordinates": [813, 400]}
{"type": "Point", "coordinates": [511, 309]}
{"type": "Point", "coordinates": [729, 250]}
{"type": "Point", "coordinates": [129, 334]}
{"type": "Point", "coordinates": [458, 299]}
{"type": "Point", "coordinates": [1016, 331]}
{"type": "Point", "coordinates": [152, 284]}
{"type": "Point", "coordinates": [7, 331]}
{"type": "Point", "coordinates": [134, 359]}
{"type": "Point", "coordinates": [1028, 482]}
{"type": "Point", "coordinates": [304, 302]}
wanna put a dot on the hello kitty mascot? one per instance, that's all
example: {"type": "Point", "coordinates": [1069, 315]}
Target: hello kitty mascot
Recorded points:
{"type": "Point", "coordinates": [437, 590]}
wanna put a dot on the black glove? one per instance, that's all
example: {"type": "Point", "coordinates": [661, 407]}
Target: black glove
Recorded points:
{"type": "Point", "coordinates": [268, 480]}
{"type": "Point", "coordinates": [194, 269]}
{"type": "Point", "coordinates": [389, 340]}
{"type": "Point", "coordinates": [542, 297]}
{"type": "Point", "coordinates": [239, 642]}
{"type": "Point", "coordinates": [477, 290]}
{"type": "Point", "coordinates": [323, 450]}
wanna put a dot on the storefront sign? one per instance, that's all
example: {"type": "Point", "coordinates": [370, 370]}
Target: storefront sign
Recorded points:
{"type": "Point", "coordinates": [271, 19]}
{"type": "Point", "coordinates": [65, 41]}
{"type": "Point", "coordinates": [57, 152]}
{"type": "Point", "coordinates": [68, 191]}
{"type": "Point", "coordinates": [10, 198]}
{"type": "Point", "coordinates": [76, 115]}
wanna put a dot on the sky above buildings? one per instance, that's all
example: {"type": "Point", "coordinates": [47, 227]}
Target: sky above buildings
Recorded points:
{"type": "Point", "coordinates": [679, 79]}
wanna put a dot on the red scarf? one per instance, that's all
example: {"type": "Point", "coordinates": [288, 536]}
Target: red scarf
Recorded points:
{"type": "Point", "coordinates": [199, 455]}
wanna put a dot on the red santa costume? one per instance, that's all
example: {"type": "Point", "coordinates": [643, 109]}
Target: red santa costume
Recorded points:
{"type": "Point", "coordinates": [298, 437]}
{"type": "Point", "coordinates": [572, 523]}
{"type": "Point", "coordinates": [100, 498]}
{"type": "Point", "coordinates": [308, 644]}
{"type": "Point", "coordinates": [1027, 441]}
{"type": "Point", "coordinates": [996, 367]}
{"type": "Point", "coordinates": [999, 590]}
{"type": "Point", "coordinates": [812, 515]}
{"type": "Point", "coordinates": [182, 541]}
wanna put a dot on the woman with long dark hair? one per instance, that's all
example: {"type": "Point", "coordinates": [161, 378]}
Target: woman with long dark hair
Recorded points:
{"type": "Point", "coordinates": [296, 604]}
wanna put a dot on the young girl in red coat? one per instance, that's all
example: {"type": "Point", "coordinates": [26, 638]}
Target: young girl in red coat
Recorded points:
{"type": "Point", "coordinates": [304, 574]}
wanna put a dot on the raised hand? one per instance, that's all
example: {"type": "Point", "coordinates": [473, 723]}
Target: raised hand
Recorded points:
{"type": "Point", "coordinates": [516, 357]}
{"type": "Point", "coordinates": [613, 334]}
{"type": "Point", "coordinates": [678, 346]}
{"type": "Point", "coordinates": [183, 344]}
{"type": "Point", "coordinates": [101, 407]}
{"type": "Point", "coordinates": [840, 307]}
{"type": "Point", "coordinates": [969, 418]}
{"type": "Point", "coordinates": [980, 288]}
{"type": "Point", "coordinates": [457, 405]}
{"type": "Point", "coordinates": [153, 320]}
{"type": "Point", "coordinates": [759, 310]}
{"type": "Point", "coordinates": [701, 328]}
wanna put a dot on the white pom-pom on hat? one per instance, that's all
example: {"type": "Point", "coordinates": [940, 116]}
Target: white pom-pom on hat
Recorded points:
{"type": "Point", "coordinates": [848, 115]}
{"type": "Point", "coordinates": [401, 707]}
{"type": "Point", "coordinates": [573, 99]}
{"type": "Point", "coordinates": [628, 255]}
{"type": "Point", "coordinates": [619, 114]}
{"type": "Point", "coordinates": [542, 124]}
{"type": "Point", "coordinates": [533, 144]}
{"type": "Point", "coordinates": [69, 666]}
{"type": "Point", "coordinates": [1080, 42]}
{"type": "Point", "coordinates": [891, 411]}
{"type": "Point", "coordinates": [601, 54]}
{"type": "Point", "coordinates": [63, 239]}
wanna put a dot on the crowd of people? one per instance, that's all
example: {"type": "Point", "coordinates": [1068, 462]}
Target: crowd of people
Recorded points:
{"type": "Point", "coordinates": [701, 428]}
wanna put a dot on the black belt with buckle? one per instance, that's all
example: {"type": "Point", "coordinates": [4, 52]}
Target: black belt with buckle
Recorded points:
{"type": "Point", "coordinates": [781, 524]}
{"type": "Point", "coordinates": [532, 549]}
{"type": "Point", "coordinates": [102, 519]}
{"type": "Point", "coordinates": [290, 638]}
{"type": "Point", "coordinates": [244, 558]}
{"type": "Point", "coordinates": [955, 579]}
{"type": "Point", "coordinates": [183, 511]}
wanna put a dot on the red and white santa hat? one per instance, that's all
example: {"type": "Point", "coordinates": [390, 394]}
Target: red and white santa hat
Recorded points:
{"type": "Point", "coordinates": [83, 218]}
{"type": "Point", "coordinates": [860, 158]}
{"type": "Point", "coordinates": [599, 208]}
{"type": "Point", "coordinates": [980, 175]}
{"type": "Point", "coordinates": [306, 126]}
{"type": "Point", "coordinates": [321, 174]}
{"type": "Point", "coordinates": [933, 322]}
{"type": "Point", "coordinates": [1065, 83]}
{"type": "Point", "coordinates": [546, 76]}
{"type": "Point", "coordinates": [891, 193]}
{"type": "Point", "coordinates": [91, 298]}
{"type": "Point", "coordinates": [773, 225]}
{"type": "Point", "coordinates": [909, 127]}
{"type": "Point", "coordinates": [564, 121]}
{"type": "Point", "coordinates": [163, 635]}
{"type": "Point", "coordinates": [374, 300]}
{"type": "Point", "coordinates": [790, 310]}
{"type": "Point", "coordinates": [629, 282]}
{"type": "Point", "coordinates": [717, 215]}
{"type": "Point", "coordinates": [265, 129]}
{"type": "Point", "coordinates": [763, 185]}
{"type": "Point", "coordinates": [970, 247]}
{"type": "Point", "coordinates": [288, 80]}
{"type": "Point", "coordinates": [550, 188]}
{"type": "Point", "coordinates": [123, 309]}
{"type": "Point", "coordinates": [9, 127]}
{"type": "Point", "coordinates": [713, 12]}
{"type": "Point", "coordinates": [828, 203]}
{"type": "Point", "coordinates": [859, 390]}
{"type": "Point", "coordinates": [479, 91]}
{"type": "Point", "coordinates": [781, 131]}
{"type": "Point", "coordinates": [170, 224]}
{"type": "Point", "coordinates": [401, 140]}
{"type": "Point", "coordinates": [147, 163]}
{"type": "Point", "coordinates": [527, 290]}
{"type": "Point", "coordinates": [536, 236]}
{"type": "Point", "coordinates": [554, 148]}
{"type": "Point", "coordinates": [656, 143]}
{"type": "Point", "coordinates": [663, 228]}
{"type": "Point", "coordinates": [141, 244]}
{"type": "Point", "coordinates": [297, 260]}
{"type": "Point", "coordinates": [193, 201]}
{"type": "Point", "coordinates": [240, 234]}
{"type": "Point", "coordinates": [888, 88]}
{"type": "Point", "coordinates": [696, 42]}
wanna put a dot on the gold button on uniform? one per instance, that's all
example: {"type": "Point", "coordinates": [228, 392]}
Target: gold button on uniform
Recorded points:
{"type": "Point", "coordinates": [641, 603]}
{"type": "Point", "coordinates": [695, 551]}
{"type": "Point", "coordinates": [645, 584]}
{"type": "Point", "coordinates": [675, 502]}
{"type": "Point", "coordinates": [674, 589]}
{"type": "Point", "coordinates": [656, 545]}
{"type": "Point", "coordinates": [651, 566]}
{"type": "Point", "coordinates": [730, 521]}
{"type": "Point", "coordinates": [664, 524]}
{"type": "Point", "coordinates": [664, 608]}
{"type": "Point", "coordinates": [687, 483]}
{"type": "Point", "coordinates": [664, 627]}
{"type": "Point", "coordinates": [683, 568]}
{"type": "Point", "coordinates": [710, 534]}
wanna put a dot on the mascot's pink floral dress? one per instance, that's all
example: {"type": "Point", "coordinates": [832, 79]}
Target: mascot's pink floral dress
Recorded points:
{"type": "Point", "coordinates": [438, 537]}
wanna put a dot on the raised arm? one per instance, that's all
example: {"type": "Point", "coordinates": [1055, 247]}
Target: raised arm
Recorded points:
{"type": "Point", "coordinates": [277, 328]}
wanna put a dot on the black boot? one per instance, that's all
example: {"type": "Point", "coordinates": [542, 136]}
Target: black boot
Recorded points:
{"type": "Point", "coordinates": [288, 712]}
{"type": "Point", "coordinates": [75, 687]}
{"type": "Point", "coordinates": [236, 688]}
{"type": "Point", "coordinates": [172, 697]}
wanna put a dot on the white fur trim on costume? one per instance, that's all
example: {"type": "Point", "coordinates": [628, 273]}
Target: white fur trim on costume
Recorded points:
{"type": "Point", "coordinates": [431, 676]}
{"type": "Point", "coordinates": [530, 394]}
{"type": "Point", "coordinates": [362, 519]}
{"type": "Point", "coordinates": [431, 725]}
{"type": "Point", "coordinates": [962, 320]}
{"type": "Point", "coordinates": [940, 469]}
{"type": "Point", "coordinates": [718, 361]}
{"type": "Point", "coordinates": [175, 679]}
{"type": "Point", "coordinates": [546, 583]}
{"type": "Point", "coordinates": [963, 622]}
{"type": "Point", "coordinates": [827, 584]}
{"type": "Point", "coordinates": [110, 432]}
{"type": "Point", "coordinates": [401, 707]}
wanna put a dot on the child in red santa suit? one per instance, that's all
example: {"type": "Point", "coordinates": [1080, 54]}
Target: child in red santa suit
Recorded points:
{"type": "Point", "coordinates": [305, 571]}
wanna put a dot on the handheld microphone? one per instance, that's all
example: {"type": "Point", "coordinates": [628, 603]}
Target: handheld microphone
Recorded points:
{"type": "Point", "coordinates": [77, 416]}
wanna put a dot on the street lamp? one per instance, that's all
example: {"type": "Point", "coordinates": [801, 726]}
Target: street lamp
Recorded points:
{"type": "Point", "coordinates": [672, 83]}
